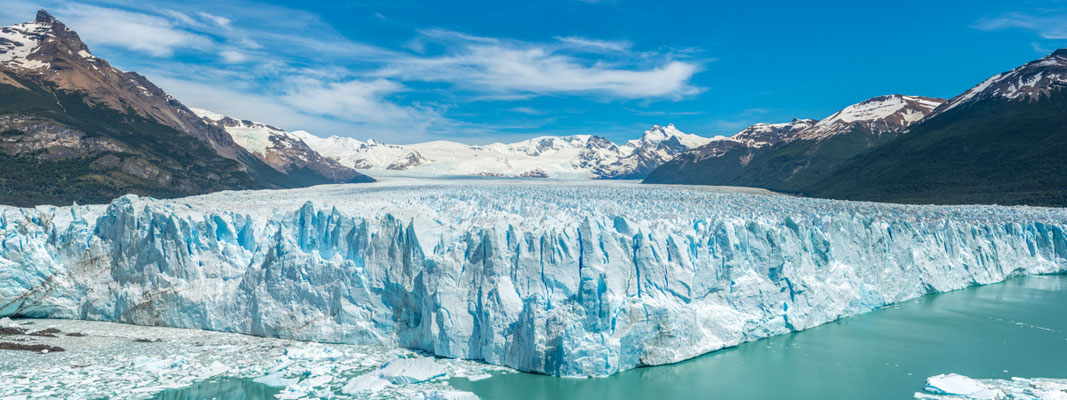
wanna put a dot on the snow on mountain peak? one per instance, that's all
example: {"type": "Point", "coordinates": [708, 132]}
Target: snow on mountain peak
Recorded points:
{"type": "Point", "coordinates": [762, 134]}
{"type": "Point", "coordinates": [659, 134]}
{"type": "Point", "coordinates": [1029, 81]}
{"type": "Point", "coordinates": [211, 115]}
{"type": "Point", "coordinates": [21, 44]}
{"type": "Point", "coordinates": [891, 113]}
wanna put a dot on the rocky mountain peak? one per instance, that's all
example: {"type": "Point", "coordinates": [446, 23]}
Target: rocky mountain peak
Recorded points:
{"type": "Point", "coordinates": [889, 113]}
{"type": "Point", "coordinates": [1028, 82]}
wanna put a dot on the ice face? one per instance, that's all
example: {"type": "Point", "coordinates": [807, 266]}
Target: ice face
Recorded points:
{"type": "Point", "coordinates": [574, 279]}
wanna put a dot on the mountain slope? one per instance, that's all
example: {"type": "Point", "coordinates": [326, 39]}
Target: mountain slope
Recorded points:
{"type": "Point", "coordinates": [568, 157]}
{"type": "Point", "coordinates": [803, 156]}
{"type": "Point", "coordinates": [1002, 141]}
{"type": "Point", "coordinates": [77, 129]}
{"type": "Point", "coordinates": [283, 151]}
{"type": "Point", "coordinates": [57, 149]}
{"type": "Point", "coordinates": [721, 160]}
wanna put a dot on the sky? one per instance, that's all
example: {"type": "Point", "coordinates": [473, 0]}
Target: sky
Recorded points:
{"type": "Point", "coordinates": [477, 72]}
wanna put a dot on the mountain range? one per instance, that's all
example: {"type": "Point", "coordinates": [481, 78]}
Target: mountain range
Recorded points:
{"type": "Point", "coordinates": [1000, 142]}
{"type": "Point", "coordinates": [564, 157]}
{"type": "Point", "coordinates": [75, 129]}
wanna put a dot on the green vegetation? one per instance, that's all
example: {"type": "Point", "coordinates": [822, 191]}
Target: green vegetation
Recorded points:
{"type": "Point", "coordinates": [993, 151]}
{"type": "Point", "coordinates": [990, 152]}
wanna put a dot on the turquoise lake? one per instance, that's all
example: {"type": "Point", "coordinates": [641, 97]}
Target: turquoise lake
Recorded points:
{"type": "Point", "coordinates": [1014, 328]}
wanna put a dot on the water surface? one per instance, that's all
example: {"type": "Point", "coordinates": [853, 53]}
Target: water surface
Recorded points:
{"type": "Point", "coordinates": [221, 389]}
{"type": "Point", "coordinates": [1015, 328]}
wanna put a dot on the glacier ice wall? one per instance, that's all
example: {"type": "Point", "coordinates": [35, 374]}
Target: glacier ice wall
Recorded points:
{"type": "Point", "coordinates": [563, 279]}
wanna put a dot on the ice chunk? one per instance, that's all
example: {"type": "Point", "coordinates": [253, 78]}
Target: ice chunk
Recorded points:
{"type": "Point", "coordinates": [366, 383]}
{"type": "Point", "coordinates": [412, 370]}
{"type": "Point", "coordinates": [276, 380]}
{"type": "Point", "coordinates": [312, 352]}
{"type": "Point", "coordinates": [444, 395]}
{"type": "Point", "coordinates": [959, 385]}
{"type": "Point", "coordinates": [8, 323]}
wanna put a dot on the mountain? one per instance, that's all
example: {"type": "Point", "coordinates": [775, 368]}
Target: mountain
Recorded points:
{"type": "Point", "coordinates": [1001, 142]}
{"type": "Point", "coordinates": [568, 157]}
{"type": "Point", "coordinates": [790, 157]}
{"type": "Point", "coordinates": [74, 128]}
{"type": "Point", "coordinates": [282, 150]}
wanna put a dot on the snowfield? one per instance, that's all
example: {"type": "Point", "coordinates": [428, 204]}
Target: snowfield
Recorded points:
{"type": "Point", "coordinates": [562, 278]}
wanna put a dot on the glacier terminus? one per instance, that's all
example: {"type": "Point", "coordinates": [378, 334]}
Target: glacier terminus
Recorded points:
{"type": "Point", "coordinates": [561, 278]}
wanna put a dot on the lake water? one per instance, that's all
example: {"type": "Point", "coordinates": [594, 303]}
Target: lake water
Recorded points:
{"type": "Point", "coordinates": [1015, 328]}
{"type": "Point", "coordinates": [221, 389]}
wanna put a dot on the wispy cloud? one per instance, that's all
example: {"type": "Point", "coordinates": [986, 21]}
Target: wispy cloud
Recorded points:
{"type": "Point", "coordinates": [510, 67]}
{"type": "Point", "coordinates": [290, 68]}
{"type": "Point", "coordinates": [150, 34]}
{"type": "Point", "coordinates": [1049, 25]}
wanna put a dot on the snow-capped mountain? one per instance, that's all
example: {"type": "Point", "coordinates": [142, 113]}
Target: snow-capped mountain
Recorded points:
{"type": "Point", "coordinates": [892, 113]}
{"type": "Point", "coordinates": [566, 157]}
{"type": "Point", "coordinates": [1002, 141]}
{"type": "Point", "coordinates": [282, 150]}
{"type": "Point", "coordinates": [81, 130]}
{"type": "Point", "coordinates": [1027, 82]}
{"type": "Point", "coordinates": [46, 49]}
{"type": "Point", "coordinates": [788, 155]}
{"type": "Point", "coordinates": [764, 134]}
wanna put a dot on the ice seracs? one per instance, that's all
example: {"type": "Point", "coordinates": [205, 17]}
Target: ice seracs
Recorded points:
{"type": "Point", "coordinates": [565, 278]}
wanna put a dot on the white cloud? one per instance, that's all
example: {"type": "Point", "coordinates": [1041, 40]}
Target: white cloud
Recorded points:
{"type": "Point", "coordinates": [289, 68]}
{"type": "Point", "coordinates": [355, 100]}
{"type": "Point", "coordinates": [1050, 26]}
{"type": "Point", "coordinates": [507, 67]}
{"type": "Point", "coordinates": [595, 44]}
{"type": "Point", "coordinates": [150, 34]}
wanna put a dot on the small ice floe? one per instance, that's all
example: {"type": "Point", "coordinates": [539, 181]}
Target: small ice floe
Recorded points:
{"type": "Point", "coordinates": [444, 395]}
{"type": "Point", "coordinates": [367, 383]}
{"type": "Point", "coordinates": [959, 385]}
{"type": "Point", "coordinates": [8, 323]}
{"type": "Point", "coordinates": [275, 379]}
{"type": "Point", "coordinates": [401, 371]}
{"type": "Point", "coordinates": [312, 352]}
{"type": "Point", "coordinates": [412, 370]}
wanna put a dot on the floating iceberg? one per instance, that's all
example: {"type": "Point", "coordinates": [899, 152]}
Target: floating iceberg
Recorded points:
{"type": "Point", "coordinates": [959, 387]}
{"type": "Point", "coordinates": [574, 279]}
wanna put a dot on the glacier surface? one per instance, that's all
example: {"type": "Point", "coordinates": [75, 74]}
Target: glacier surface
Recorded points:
{"type": "Point", "coordinates": [562, 278]}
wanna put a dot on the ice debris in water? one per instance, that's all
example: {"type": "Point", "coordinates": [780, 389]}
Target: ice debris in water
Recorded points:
{"type": "Point", "coordinates": [107, 363]}
{"type": "Point", "coordinates": [563, 278]}
{"type": "Point", "coordinates": [959, 387]}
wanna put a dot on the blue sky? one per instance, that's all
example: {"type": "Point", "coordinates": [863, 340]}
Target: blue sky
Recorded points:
{"type": "Point", "coordinates": [477, 72]}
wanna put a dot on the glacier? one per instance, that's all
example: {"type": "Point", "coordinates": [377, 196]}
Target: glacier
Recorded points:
{"type": "Point", "coordinates": [555, 277]}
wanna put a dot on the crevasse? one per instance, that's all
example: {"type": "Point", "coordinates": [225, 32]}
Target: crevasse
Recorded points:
{"type": "Point", "coordinates": [558, 278]}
